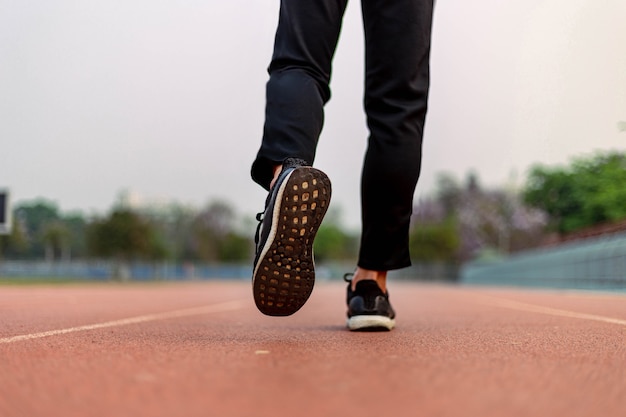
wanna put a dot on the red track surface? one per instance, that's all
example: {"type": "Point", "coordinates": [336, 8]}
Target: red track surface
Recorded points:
{"type": "Point", "coordinates": [202, 349]}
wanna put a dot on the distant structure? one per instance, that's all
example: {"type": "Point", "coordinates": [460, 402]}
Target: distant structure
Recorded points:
{"type": "Point", "coordinates": [129, 199]}
{"type": "Point", "coordinates": [605, 229]}
{"type": "Point", "coordinates": [5, 212]}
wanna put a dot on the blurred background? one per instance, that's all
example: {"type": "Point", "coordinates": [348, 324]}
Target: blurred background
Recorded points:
{"type": "Point", "coordinates": [127, 130]}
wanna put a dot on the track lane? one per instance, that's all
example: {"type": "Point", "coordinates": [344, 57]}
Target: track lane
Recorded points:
{"type": "Point", "coordinates": [451, 355]}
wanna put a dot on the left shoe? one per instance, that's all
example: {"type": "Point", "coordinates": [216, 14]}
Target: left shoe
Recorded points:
{"type": "Point", "coordinates": [369, 308]}
{"type": "Point", "coordinates": [284, 266]}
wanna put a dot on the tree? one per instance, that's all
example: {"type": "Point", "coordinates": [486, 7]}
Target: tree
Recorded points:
{"type": "Point", "coordinates": [589, 192]}
{"type": "Point", "coordinates": [46, 232]}
{"type": "Point", "coordinates": [332, 243]}
{"type": "Point", "coordinates": [16, 243]}
{"type": "Point", "coordinates": [213, 236]}
{"type": "Point", "coordinates": [126, 236]}
{"type": "Point", "coordinates": [234, 247]}
{"type": "Point", "coordinates": [56, 239]}
{"type": "Point", "coordinates": [37, 214]}
{"type": "Point", "coordinates": [460, 223]}
{"type": "Point", "coordinates": [76, 227]}
{"type": "Point", "coordinates": [448, 193]}
{"type": "Point", "coordinates": [35, 218]}
{"type": "Point", "coordinates": [435, 242]}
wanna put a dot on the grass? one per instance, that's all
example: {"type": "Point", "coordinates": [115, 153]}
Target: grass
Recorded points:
{"type": "Point", "coordinates": [43, 280]}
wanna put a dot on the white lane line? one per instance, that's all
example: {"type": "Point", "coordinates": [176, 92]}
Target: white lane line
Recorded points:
{"type": "Point", "coordinates": [195, 311]}
{"type": "Point", "coordinates": [517, 305]}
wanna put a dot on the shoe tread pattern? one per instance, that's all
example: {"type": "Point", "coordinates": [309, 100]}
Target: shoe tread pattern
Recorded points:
{"type": "Point", "coordinates": [284, 279]}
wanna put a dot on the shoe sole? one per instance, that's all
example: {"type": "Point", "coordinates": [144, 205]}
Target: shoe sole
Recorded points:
{"type": "Point", "coordinates": [285, 273]}
{"type": "Point", "coordinates": [371, 323]}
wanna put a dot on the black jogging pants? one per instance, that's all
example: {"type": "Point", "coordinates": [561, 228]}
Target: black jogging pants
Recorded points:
{"type": "Point", "coordinates": [397, 49]}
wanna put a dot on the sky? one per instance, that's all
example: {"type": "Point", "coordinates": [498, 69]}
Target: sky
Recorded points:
{"type": "Point", "coordinates": [165, 98]}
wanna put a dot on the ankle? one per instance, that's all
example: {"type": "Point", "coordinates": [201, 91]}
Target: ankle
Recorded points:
{"type": "Point", "coordinates": [362, 274]}
{"type": "Point", "coordinates": [276, 173]}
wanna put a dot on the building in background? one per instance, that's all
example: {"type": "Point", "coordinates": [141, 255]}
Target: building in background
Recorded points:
{"type": "Point", "coordinates": [5, 212]}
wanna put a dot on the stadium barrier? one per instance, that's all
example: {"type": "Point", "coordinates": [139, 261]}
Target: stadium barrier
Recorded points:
{"type": "Point", "coordinates": [145, 271]}
{"type": "Point", "coordinates": [136, 271]}
{"type": "Point", "coordinates": [598, 263]}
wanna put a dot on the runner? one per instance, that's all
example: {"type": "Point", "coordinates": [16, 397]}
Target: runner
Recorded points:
{"type": "Point", "coordinates": [397, 49]}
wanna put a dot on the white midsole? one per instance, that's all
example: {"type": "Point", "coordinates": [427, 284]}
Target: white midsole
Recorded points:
{"type": "Point", "coordinates": [275, 215]}
{"type": "Point", "coordinates": [364, 322]}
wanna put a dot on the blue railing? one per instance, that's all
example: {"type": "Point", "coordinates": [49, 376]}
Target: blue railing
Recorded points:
{"type": "Point", "coordinates": [598, 263]}
{"type": "Point", "coordinates": [138, 271]}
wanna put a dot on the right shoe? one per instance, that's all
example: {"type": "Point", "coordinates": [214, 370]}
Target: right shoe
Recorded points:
{"type": "Point", "coordinates": [369, 308]}
{"type": "Point", "coordinates": [284, 267]}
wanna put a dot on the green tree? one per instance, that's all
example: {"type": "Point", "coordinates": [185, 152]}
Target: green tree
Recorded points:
{"type": "Point", "coordinates": [213, 237]}
{"type": "Point", "coordinates": [126, 236]}
{"type": "Point", "coordinates": [234, 247]}
{"type": "Point", "coordinates": [176, 225]}
{"type": "Point", "coordinates": [48, 232]}
{"type": "Point", "coordinates": [76, 227]}
{"type": "Point", "coordinates": [449, 193]}
{"type": "Point", "coordinates": [459, 223]}
{"type": "Point", "coordinates": [35, 217]}
{"type": "Point", "coordinates": [332, 243]}
{"type": "Point", "coordinates": [15, 244]}
{"type": "Point", "coordinates": [37, 214]}
{"type": "Point", "coordinates": [56, 239]}
{"type": "Point", "coordinates": [435, 242]}
{"type": "Point", "coordinates": [588, 192]}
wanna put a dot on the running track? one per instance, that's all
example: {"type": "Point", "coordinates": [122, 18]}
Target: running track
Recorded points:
{"type": "Point", "coordinates": [202, 349]}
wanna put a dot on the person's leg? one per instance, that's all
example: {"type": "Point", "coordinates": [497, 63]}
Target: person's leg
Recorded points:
{"type": "Point", "coordinates": [397, 46]}
{"type": "Point", "coordinates": [284, 270]}
{"type": "Point", "coordinates": [361, 274]}
{"type": "Point", "coordinates": [397, 38]}
{"type": "Point", "coordinates": [298, 87]}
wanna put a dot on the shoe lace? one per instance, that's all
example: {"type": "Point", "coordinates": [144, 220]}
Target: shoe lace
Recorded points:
{"type": "Point", "coordinates": [288, 163]}
{"type": "Point", "coordinates": [259, 218]}
{"type": "Point", "coordinates": [348, 274]}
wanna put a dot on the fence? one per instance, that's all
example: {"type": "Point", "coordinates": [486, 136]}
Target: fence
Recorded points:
{"type": "Point", "coordinates": [122, 271]}
{"type": "Point", "coordinates": [419, 271]}
{"type": "Point", "coordinates": [104, 270]}
{"type": "Point", "coordinates": [598, 263]}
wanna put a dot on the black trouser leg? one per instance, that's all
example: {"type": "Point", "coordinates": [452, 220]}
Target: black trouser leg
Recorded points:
{"type": "Point", "coordinates": [397, 38]}
{"type": "Point", "coordinates": [298, 87]}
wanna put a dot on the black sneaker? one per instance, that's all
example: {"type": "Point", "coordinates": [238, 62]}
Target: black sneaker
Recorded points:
{"type": "Point", "coordinates": [284, 270]}
{"type": "Point", "coordinates": [369, 307]}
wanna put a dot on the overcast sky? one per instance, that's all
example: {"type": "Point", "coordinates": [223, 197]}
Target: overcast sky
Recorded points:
{"type": "Point", "coordinates": [166, 97]}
